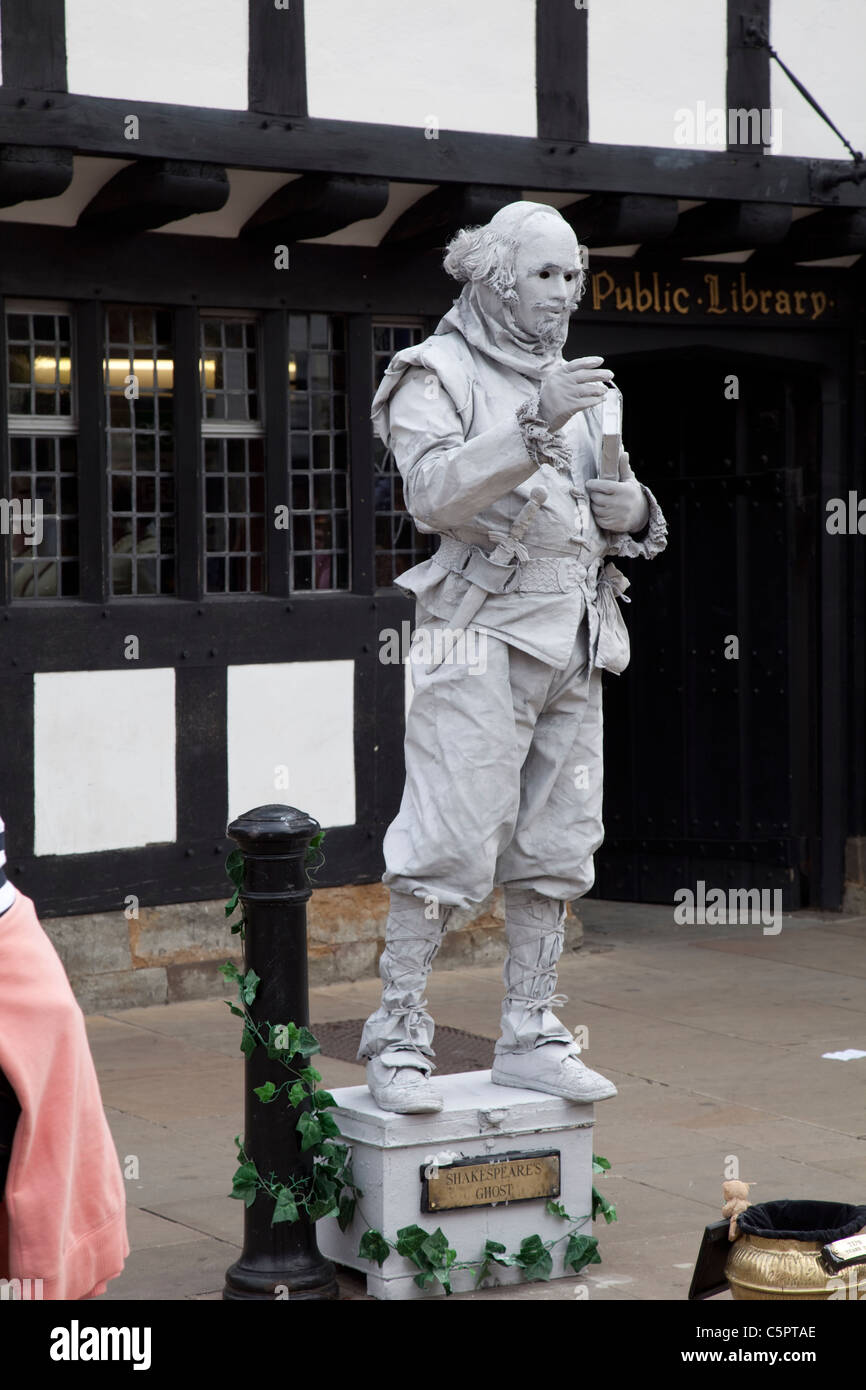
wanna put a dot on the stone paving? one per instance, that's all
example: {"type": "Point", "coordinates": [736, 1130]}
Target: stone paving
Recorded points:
{"type": "Point", "coordinates": [713, 1036]}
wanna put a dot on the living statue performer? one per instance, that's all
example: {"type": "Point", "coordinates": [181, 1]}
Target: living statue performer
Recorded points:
{"type": "Point", "coordinates": [504, 734]}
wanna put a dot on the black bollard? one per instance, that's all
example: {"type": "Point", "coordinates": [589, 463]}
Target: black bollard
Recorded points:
{"type": "Point", "coordinates": [285, 1257]}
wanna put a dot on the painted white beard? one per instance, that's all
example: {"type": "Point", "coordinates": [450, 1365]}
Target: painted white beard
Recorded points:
{"type": "Point", "coordinates": [552, 330]}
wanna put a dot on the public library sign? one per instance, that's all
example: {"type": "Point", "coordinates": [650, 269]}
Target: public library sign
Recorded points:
{"type": "Point", "coordinates": [710, 292]}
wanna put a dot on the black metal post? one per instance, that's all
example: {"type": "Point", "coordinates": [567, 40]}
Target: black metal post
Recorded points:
{"type": "Point", "coordinates": [274, 841]}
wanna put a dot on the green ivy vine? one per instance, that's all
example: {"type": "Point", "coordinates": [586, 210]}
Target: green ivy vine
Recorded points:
{"type": "Point", "coordinates": [330, 1190]}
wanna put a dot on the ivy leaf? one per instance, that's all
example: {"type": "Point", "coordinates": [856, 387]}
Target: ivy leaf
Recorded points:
{"type": "Point", "coordinates": [425, 1279]}
{"type": "Point", "coordinates": [310, 1075]}
{"type": "Point", "coordinates": [235, 867]}
{"type": "Point", "coordinates": [286, 1208]}
{"type": "Point", "coordinates": [248, 1041]}
{"type": "Point", "coordinates": [599, 1164]}
{"type": "Point", "coordinates": [346, 1212]}
{"type": "Point", "coordinates": [310, 1131]}
{"type": "Point", "coordinates": [238, 1013]}
{"type": "Point", "coordinates": [249, 984]}
{"type": "Point", "coordinates": [534, 1258]}
{"type": "Point", "coordinates": [601, 1204]}
{"type": "Point", "coordinates": [327, 1125]}
{"type": "Point", "coordinates": [230, 971]}
{"type": "Point", "coordinates": [232, 902]}
{"type": "Point", "coordinates": [322, 1099]}
{"type": "Point", "coordinates": [581, 1251]}
{"type": "Point", "coordinates": [238, 926]}
{"type": "Point", "coordinates": [307, 1044]}
{"type": "Point", "coordinates": [409, 1240]}
{"type": "Point", "coordinates": [374, 1247]}
{"type": "Point", "coordinates": [245, 1183]}
{"type": "Point", "coordinates": [265, 1093]}
{"type": "Point", "coordinates": [297, 1093]}
{"type": "Point", "coordinates": [557, 1209]}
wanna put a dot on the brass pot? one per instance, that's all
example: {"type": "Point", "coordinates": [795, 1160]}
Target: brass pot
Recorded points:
{"type": "Point", "coordinates": [763, 1268]}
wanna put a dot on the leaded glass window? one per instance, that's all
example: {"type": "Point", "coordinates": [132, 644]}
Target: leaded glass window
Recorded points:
{"type": "Point", "coordinates": [319, 452]}
{"type": "Point", "coordinates": [399, 545]}
{"type": "Point", "coordinates": [234, 459]}
{"type": "Point", "coordinates": [41, 514]}
{"type": "Point", "coordinates": [139, 385]}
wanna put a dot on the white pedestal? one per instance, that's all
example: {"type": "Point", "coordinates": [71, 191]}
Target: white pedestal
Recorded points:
{"type": "Point", "coordinates": [478, 1121]}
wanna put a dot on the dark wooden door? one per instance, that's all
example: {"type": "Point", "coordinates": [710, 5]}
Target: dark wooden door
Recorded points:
{"type": "Point", "coordinates": [710, 758]}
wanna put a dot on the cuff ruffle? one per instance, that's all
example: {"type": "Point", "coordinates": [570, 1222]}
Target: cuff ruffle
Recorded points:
{"type": "Point", "coordinates": [655, 537]}
{"type": "Point", "coordinates": [541, 443]}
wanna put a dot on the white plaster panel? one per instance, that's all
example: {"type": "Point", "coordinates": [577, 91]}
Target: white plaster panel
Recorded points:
{"type": "Point", "coordinates": [471, 66]}
{"type": "Point", "coordinates": [299, 717]}
{"type": "Point", "coordinates": [104, 760]}
{"type": "Point", "coordinates": [648, 60]}
{"type": "Point", "coordinates": [824, 43]}
{"type": "Point", "coordinates": [194, 53]}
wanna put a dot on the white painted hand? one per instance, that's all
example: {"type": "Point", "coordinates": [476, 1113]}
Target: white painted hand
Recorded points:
{"type": "Point", "coordinates": [573, 387]}
{"type": "Point", "coordinates": [619, 506]}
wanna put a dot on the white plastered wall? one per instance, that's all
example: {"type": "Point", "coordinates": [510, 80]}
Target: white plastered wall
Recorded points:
{"type": "Point", "coordinates": [824, 43]}
{"type": "Point", "coordinates": [291, 738]}
{"type": "Point", "coordinates": [104, 760]}
{"type": "Point", "coordinates": [192, 52]}
{"type": "Point", "coordinates": [647, 60]}
{"type": "Point", "coordinates": [466, 64]}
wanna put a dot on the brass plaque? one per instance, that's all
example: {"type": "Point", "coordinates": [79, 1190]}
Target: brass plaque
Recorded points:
{"type": "Point", "coordinates": [483, 1182]}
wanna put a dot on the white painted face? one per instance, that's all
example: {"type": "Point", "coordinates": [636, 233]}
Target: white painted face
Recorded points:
{"type": "Point", "coordinates": [547, 267]}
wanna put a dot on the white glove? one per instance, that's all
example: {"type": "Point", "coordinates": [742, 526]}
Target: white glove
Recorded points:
{"type": "Point", "coordinates": [619, 506]}
{"type": "Point", "coordinates": [574, 386]}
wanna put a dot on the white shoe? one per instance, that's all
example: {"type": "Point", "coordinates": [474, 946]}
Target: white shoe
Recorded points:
{"type": "Point", "coordinates": [557, 1075]}
{"type": "Point", "coordinates": [407, 1090]}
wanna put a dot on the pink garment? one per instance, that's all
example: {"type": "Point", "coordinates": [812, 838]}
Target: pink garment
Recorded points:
{"type": "Point", "coordinates": [64, 1209]}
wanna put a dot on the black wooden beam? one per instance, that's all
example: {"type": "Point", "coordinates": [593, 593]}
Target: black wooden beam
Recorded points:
{"type": "Point", "coordinates": [363, 502]}
{"type": "Point", "coordinates": [34, 44]}
{"type": "Point", "coordinates": [441, 213]}
{"type": "Point", "coordinates": [613, 219]}
{"type": "Point", "coordinates": [153, 192]}
{"type": "Point", "coordinates": [239, 139]}
{"type": "Point", "coordinates": [29, 171]}
{"type": "Point", "coordinates": [561, 70]}
{"type": "Point", "coordinates": [201, 765]}
{"type": "Point", "coordinates": [189, 512]}
{"type": "Point", "coordinates": [316, 205]}
{"type": "Point", "coordinates": [748, 79]}
{"type": "Point", "coordinates": [93, 500]}
{"type": "Point", "coordinates": [275, 358]}
{"type": "Point", "coordinates": [720, 226]}
{"type": "Point", "coordinates": [277, 67]}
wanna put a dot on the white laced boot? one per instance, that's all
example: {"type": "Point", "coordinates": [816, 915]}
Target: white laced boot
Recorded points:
{"type": "Point", "coordinates": [535, 1050]}
{"type": "Point", "coordinates": [397, 1038]}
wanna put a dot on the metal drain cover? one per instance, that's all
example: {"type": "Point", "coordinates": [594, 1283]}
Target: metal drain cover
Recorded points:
{"type": "Point", "coordinates": [455, 1050]}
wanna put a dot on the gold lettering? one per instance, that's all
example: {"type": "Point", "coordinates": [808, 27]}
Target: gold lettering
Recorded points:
{"type": "Point", "coordinates": [783, 302]}
{"type": "Point", "coordinates": [798, 296]}
{"type": "Point", "coordinates": [643, 298]}
{"type": "Point", "coordinates": [675, 296]}
{"type": "Point", "coordinates": [598, 294]}
{"type": "Point", "coordinates": [765, 295]}
{"type": "Point", "coordinates": [624, 298]}
{"type": "Point", "coordinates": [712, 283]}
{"type": "Point", "coordinates": [748, 298]}
{"type": "Point", "coordinates": [815, 296]}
